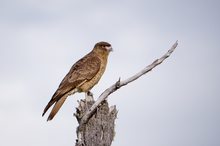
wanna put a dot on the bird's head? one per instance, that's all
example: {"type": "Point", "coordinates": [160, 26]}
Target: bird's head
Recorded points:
{"type": "Point", "coordinates": [103, 47]}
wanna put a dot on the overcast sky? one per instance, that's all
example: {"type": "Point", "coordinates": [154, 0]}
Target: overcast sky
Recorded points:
{"type": "Point", "coordinates": [177, 104]}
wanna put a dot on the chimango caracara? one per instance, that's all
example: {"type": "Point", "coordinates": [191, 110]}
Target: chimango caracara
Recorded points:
{"type": "Point", "coordinates": [83, 75]}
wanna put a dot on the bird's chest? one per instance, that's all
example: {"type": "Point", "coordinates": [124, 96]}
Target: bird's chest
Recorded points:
{"type": "Point", "coordinates": [88, 85]}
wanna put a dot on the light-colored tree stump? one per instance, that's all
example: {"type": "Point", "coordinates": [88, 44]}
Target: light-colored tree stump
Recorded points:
{"type": "Point", "coordinates": [99, 129]}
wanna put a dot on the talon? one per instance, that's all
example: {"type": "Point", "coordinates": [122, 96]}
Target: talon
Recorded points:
{"type": "Point", "coordinates": [89, 93]}
{"type": "Point", "coordinates": [89, 96]}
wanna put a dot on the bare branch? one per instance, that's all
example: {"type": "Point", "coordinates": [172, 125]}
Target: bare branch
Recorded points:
{"type": "Point", "coordinates": [119, 83]}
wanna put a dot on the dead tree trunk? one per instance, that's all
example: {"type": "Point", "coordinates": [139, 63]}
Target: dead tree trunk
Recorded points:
{"type": "Point", "coordinates": [99, 129]}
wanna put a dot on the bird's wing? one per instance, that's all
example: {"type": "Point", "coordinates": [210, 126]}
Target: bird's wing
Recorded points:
{"type": "Point", "coordinates": [82, 71]}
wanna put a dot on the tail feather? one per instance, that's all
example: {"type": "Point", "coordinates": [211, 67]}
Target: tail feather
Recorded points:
{"type": "Point", "coordinates": [56, 108]}
{"type": "Point", "coordinates": [57, 99]}
{"type": "Point", "coordinates": [54, 99]}
{"type": "Point", "coordinates": [48, 106]}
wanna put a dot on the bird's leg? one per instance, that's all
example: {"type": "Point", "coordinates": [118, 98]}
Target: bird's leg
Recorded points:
{"type": "Point", "coordinates": [89, 96]}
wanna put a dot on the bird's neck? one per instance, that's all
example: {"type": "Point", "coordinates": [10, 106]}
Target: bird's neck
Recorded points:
{"type": "Point", "coordinates": [102, 54]}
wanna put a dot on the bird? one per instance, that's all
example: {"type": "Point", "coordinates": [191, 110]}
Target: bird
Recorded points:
{"type": "Point", "coordinates": [82, 76]}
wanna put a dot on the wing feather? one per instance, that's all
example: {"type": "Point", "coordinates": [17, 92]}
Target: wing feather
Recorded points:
{"type": "Point", "coordinates": [84, 69]}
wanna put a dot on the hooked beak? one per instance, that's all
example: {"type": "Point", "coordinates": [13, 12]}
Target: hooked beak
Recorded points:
{"type": "Point", "coordinates": [110, 49]}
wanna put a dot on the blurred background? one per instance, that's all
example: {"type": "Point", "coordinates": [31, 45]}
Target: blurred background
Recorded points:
{"type": "Point", "coordinates": [176, 104]}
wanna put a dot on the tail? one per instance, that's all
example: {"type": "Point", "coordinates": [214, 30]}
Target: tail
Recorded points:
{"type": "Point", "coordinates": [56, 107]}
{"type": "Point", "coordinates": [53, 100]}
{"type": "Point", "coordinates": [58, 103]}
{"type": "Point", "coordinates": [58, 100]}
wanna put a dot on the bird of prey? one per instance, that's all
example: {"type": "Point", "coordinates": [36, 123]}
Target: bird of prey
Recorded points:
{"type": "Point", "coordinates": [83, 75]}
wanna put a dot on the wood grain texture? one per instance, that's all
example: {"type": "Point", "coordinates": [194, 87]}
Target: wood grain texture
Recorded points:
{"type": "Point", "coordinates": [99, 130]}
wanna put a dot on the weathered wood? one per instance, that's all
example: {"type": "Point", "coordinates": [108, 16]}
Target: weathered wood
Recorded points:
{"type": "Point", "coordinates": [99, 130]}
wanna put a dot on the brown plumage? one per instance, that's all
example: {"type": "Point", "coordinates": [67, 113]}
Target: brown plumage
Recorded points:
{"type": "Point", "coordinates": [83, 75]}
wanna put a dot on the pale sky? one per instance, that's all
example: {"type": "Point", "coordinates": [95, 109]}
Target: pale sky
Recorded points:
{"type": "Point", "coordinates": [176, 104]}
